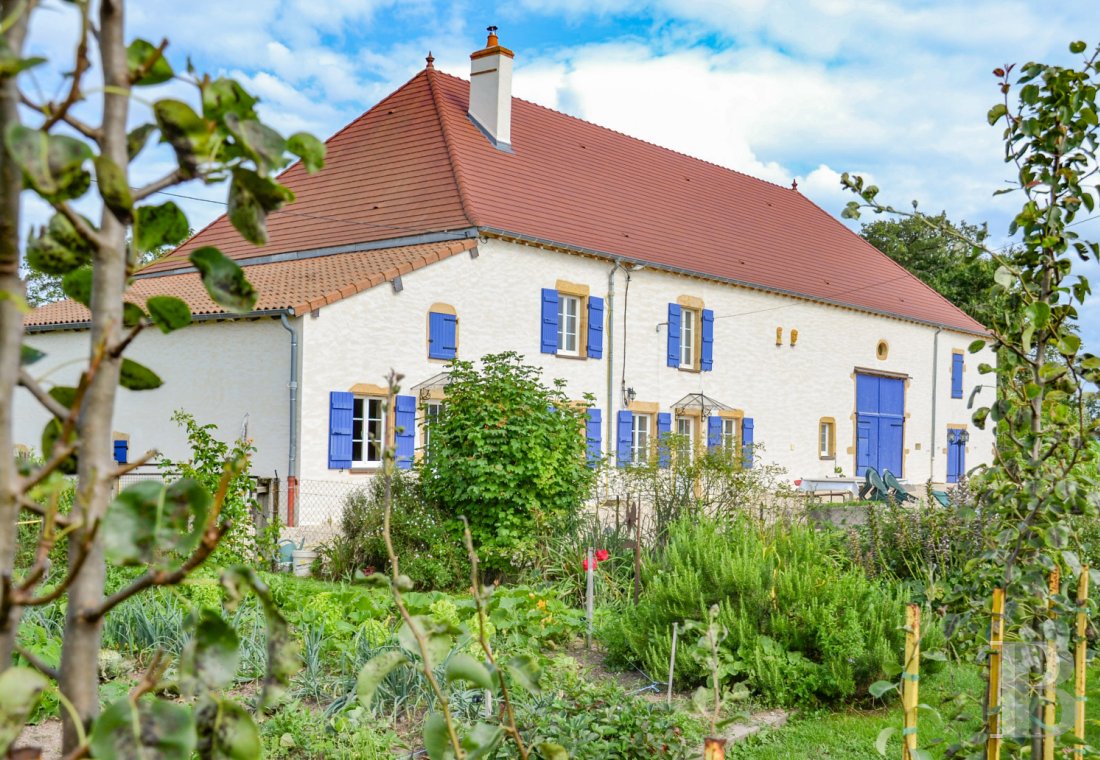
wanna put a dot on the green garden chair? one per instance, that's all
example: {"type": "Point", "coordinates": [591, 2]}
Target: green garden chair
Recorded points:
{"type": "Point", "coordinates": [894, 488]}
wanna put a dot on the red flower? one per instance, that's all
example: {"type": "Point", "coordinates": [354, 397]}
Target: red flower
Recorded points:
{"type": "Point", "coordinates": [602, 555]}
{"type": "Point", "coordinates": [584, 564]}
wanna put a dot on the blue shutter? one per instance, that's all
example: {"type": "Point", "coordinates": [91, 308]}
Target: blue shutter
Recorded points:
{"type": "Point", "coordinates": [714, 432]}
{"type": "Point", "coordinates": [673, 335]}
{"type": "Point", "coordinates": [746, 443]}
{"type": "Point", "coordinates": [340, 405]}
{"type": "Point", "coordinates": [592, 434]}
{"type": "Point", "coordinates": [595, 327]}
{"type": "Point", "coordinates": [664, 430]}
{"type": "Point", "coordinates": [706, 357]}
{"type": "Point", "coordinates": [404, 420]}
{"type": "Point", "coordinates": [624, 430]}
{"type": "Point", "coordinates": [956, 376]}
{"type": "Point", "coordinates": [122, 448]}
{"type": "Point", "coordinates": [549, 321]}
{"type": "Point", "coordinates": [442, 335]}
{"type": "Point", "coordinates": [952, 456]}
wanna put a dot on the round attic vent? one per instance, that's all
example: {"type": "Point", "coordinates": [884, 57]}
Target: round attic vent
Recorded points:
{"type": "Point", "coordinates": [882, 350]}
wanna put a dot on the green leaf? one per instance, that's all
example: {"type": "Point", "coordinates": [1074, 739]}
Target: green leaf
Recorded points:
{"type": "Point", "coordinates": [1077, 46]}
{"type": "Point", "coordinates": [883, 737]}
{"type": "Point", "coordinates": [58, 248]}
{"type": "Point", "coordinates": [996, 113]}
{"type": "Point", "coordinates": [309, 149]}
{"type": "Point", "coordinates": [482, 740]}
{"type": "Point", "coordinates": [153, 728]}
{"type": "Point", "coordinates": [137, 138]}
{"type": "Point", "coordinates": [251, 198]}
{"type": "Point", "coordinates": [463, 667]}
{"type": "Point", "coordinates": [1069, 344]}
{"type": "Point", "coordinates": [283, 660]}
{"type": "Point", "coordinates": [11, 64]}
{"type": "Point", "coordinates": [1004, 277]}
{"type": "Point", "coordinates": [879, 688]}
{"type": "Point", "coordinates": [136, 377]}
{"type": "Point", "coordinates": [436, 740]}
{"type": "Point", "coordinates": [168, 312]}
{"type": "Point", "coordinates": [526, 672]}
{"type": "Point", "coordinates": [114, 188]}
{"type": "Point", "coordinates": [186, 131]}
{"type": "Point", "coordinates": [436, 636]}
{"type": "Point", "coordinates": [159, 226]}
{"type": "Point", "coordinates": [146, 64]}
{"type": "Point", "coordinates": [209, 660]}
{"type": "Point", "coordinates": [50, 435]}
{"type": "Point", "coordinates": [976, 346]}
{"type": "Point", "coordinates": [20, 689]}
{"type": "Point", "coordinates": [375, 671]}
{"type": "Point", "coordinates": [77, 285]}
{"type": "Point", "coordinates": [148, 523]}
{"type": "Point", "coordinates": [52, 164]}
{"type": "Point", "coordinates": [552, 751]}
{"type": "Point", "coordinates": [261, 142]}
{"type": "Point", "coordinates": [225, 96]}
{"type": "Point", "coordinates": [29, 355]}
{"type": "Point", "coordinates": [224, 280]}
{"type": "Point", "coordinates": [226, 731]}
{"type": "Point", "coordinates": [132, 314]}
{"type": "Point", "coordinates": [934, 655]}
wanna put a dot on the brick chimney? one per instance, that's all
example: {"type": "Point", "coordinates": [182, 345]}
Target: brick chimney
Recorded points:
{"type": "Point", "coordinates": [491, 91]}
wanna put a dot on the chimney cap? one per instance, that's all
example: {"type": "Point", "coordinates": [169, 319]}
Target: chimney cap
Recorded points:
{"type": "Point", "coordinates": [492, 46]}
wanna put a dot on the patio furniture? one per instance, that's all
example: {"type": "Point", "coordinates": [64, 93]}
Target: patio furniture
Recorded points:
{"type": "Point", "coordinates": [894, 488]}
{"type": "Point", "coordinates": [284, 558]}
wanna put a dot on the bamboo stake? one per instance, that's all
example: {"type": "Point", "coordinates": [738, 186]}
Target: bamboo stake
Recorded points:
{"type": "Point", "coordinates": [910, 680]}
{"type": "Point", "coordinates": [590, 568]}
{"type": "Point", "coordinates": [672, 660]}
{"type": "Point", "coordinates": [1079, 659]}
{"type": "Point", "coordinates": [1050, 676]}
{"type": "Point", "coordinates": [993, 707]}
{"type": "Point", "coordinates": [638, 553]}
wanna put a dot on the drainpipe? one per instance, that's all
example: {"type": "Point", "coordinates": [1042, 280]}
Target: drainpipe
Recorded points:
{"type": "Point", "coordinates": [292, 458]}
{"type": "Point", "coordinates": [935, 378]}
{"type": "Point", "coordinates": [609, 423]}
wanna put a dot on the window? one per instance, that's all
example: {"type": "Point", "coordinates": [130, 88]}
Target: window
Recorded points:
{"type": "Point", "coordinates": [431, 414]}
{"type": "Point", "coordinates": [442, 332]}
{"type": "Point", "coordinates": [368, 430]}
{"type": "Point", "coordinates": [569, 321]}
{"type": "Point", "coordinates": [685, 432]}
{"type": "Point", "coordinates": [639, 439]}
{"type": "Point", "coordinates": [729, 434]}
{"type": "Point", "coordinates": [688, 320]}
{"type": "Point", "coordinates": [957, 374]}
{"type": "Point", "coordinates": [826, 438]}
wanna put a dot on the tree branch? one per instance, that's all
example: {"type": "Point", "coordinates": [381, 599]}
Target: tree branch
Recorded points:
{"type": "Point", "coordinates": [80, 224]}
{"type": "Point", "coordinates": [64, 452]}
{"type": "Point", "coordinates": [131, 466]}
{"type": "Point", "coordinates": [173, 177]}
{"type": "Point", "coordinates": [37, 662]}
{"type": "Point", "coordinates": [83, 128]}
{"type": "Point", "coordinates": [81, 65]}
{"type": "Point", "coordinates": [74, 571]}
{"type": "Point", "coordinates": [117, 350]}
{"type": "Point", "coordinates": [53, 406]}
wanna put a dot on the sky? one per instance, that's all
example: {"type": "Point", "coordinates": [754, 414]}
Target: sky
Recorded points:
{"type": "Point", "coordinates": [895, 90]}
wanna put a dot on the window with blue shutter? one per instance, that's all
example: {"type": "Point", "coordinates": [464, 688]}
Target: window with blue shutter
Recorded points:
{"type": "Point", "coordinates": [404, 430]}
{"type": "Point", "coordinates": [706, 355]}
{"type": "Point", "coordinates": [624, 434]}
{"type": "Point", "coordinates": [122, 450]}
{"type": "Point", "coordinates": [340, 405]}
{"type": "Point", "coordinates": [592, 428]}
{"type": "Point", "coordinates": [664, 430]}
{"type": "Point", "coordinates": [746, 443]}
{"type": "Point", "coordinates": [549, 333]}
{"type": "Point", "coordinates": [442, 335]}
{"type": "Point", "coordinates": [956, 375]}
{"type": "Point", "coordinates": [595, 327]}
{"type": "Point", "coordinates": [714, 432]}
{"type": "Point", "coordinates": [673, 335]}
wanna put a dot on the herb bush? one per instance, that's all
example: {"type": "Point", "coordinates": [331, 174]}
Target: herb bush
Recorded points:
{"type": "Point", "coordinates": [429, 554]}
{"type": "Point", "coordinates": [803, 627]}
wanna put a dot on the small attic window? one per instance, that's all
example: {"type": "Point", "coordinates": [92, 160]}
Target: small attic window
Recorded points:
{"type": "Point", "coordinates": [882, 350]}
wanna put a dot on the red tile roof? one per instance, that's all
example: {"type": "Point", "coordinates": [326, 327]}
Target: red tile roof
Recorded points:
{"type": "Point", "coordinates": [416, 164]}
{"type": "Point", "coordinates": [299, 285]}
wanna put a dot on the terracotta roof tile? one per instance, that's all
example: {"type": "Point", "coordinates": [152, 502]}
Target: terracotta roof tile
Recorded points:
{"type": "Point", "coordinates": [415, 163]}
{"type": "Point", "coordinates": [300, 285]}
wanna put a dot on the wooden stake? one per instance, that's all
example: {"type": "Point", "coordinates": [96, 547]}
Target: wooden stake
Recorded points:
{"type": "Point", "coordinates": [993, 704]}
{"type": "Point", "coordinates": [910, 680]}
{"type": "Point", "coordinates": [1051, 677]}
{"type": "Point", "coordinates": [589, 593]}
{"type": "Point", "coordinates": [672, 660]}
{"type": "Point", "coordinates": [1079, 659]}
{"type": "Point", "coordinates": [638, 554]}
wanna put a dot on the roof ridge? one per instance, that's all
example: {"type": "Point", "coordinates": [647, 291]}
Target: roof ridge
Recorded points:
{"type": "Point", "coordinates": [634, 138]}
{"type": "Point", "coordinates": [456, 172]}
{"type": "Point", "coordinates": [892, 262]}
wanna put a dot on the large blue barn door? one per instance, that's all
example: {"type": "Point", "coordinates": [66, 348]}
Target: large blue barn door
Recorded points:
{"type": "Point", "coordinates": [880, 423]}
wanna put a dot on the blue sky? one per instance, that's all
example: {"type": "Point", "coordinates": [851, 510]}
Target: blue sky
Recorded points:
{"type": "Point", "coordinates": [893, 89]}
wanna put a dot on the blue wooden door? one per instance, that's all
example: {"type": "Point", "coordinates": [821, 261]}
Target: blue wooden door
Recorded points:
{"type": "Point", "coordinates": [956, 455]}
{"type": "Point", "coordinates": [880, 423]}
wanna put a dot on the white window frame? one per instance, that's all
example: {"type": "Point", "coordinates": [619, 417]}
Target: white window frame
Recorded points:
{"type": "Point", "coordinates": [368, 412]}
{"type": "Point", "coordinates": [640, 437]}
{"type": "Point", "coordinates": [826, 439]}
{"type": "Point", "coordinates": [567, 321]}
{"type": "Point", "coordinates": [431, 414]}
{"type": "Point", "coordinates": [686, 436]}
{"type": "Point", "coordinates": [689, 327]}
{"type": "Point", "coordinates": [729, 434]}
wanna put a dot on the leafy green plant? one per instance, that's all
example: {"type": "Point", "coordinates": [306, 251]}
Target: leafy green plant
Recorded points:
{"type": "Point", "coordinates": [509, 454]}
{"type": "Point", "coordinates": [802, 627]}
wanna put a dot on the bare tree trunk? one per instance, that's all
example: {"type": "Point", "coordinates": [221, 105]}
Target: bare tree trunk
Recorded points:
{"type": "Point", "coordinates": [11, 326]}
{"type": "Point", "coordinates": [80, 651]}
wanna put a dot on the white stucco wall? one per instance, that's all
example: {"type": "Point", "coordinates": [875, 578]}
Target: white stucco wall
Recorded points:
{"type": "Point", "coordinates": [217, 371]}
{"type": "Point", "coordinates": [786, 390]}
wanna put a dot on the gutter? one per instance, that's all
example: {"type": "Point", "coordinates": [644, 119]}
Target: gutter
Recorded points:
{"type": "Point", "coordinates": [935, 378]}
{"type": "Point", "coordinates": [219, 316]}
{"type": "Point", "coordinates": [292, 457]}
{"type": "Point", "coordinates": [609, 423]}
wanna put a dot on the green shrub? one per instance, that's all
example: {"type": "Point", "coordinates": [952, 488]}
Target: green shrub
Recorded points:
{"type": "Point", "coordinates": [803, 628]}
{"type": "Point", "coordinates": [426, 550]}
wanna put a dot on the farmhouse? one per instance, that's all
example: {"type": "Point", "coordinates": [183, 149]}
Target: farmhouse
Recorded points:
{"type": "Point", "coordinates": [453, 220]}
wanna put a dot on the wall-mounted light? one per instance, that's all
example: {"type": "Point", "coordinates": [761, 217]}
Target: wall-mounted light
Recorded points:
{"type": "Point", "coordinates": [629, 395]}
{"type": "Point", "coordinates": [964, 437]}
